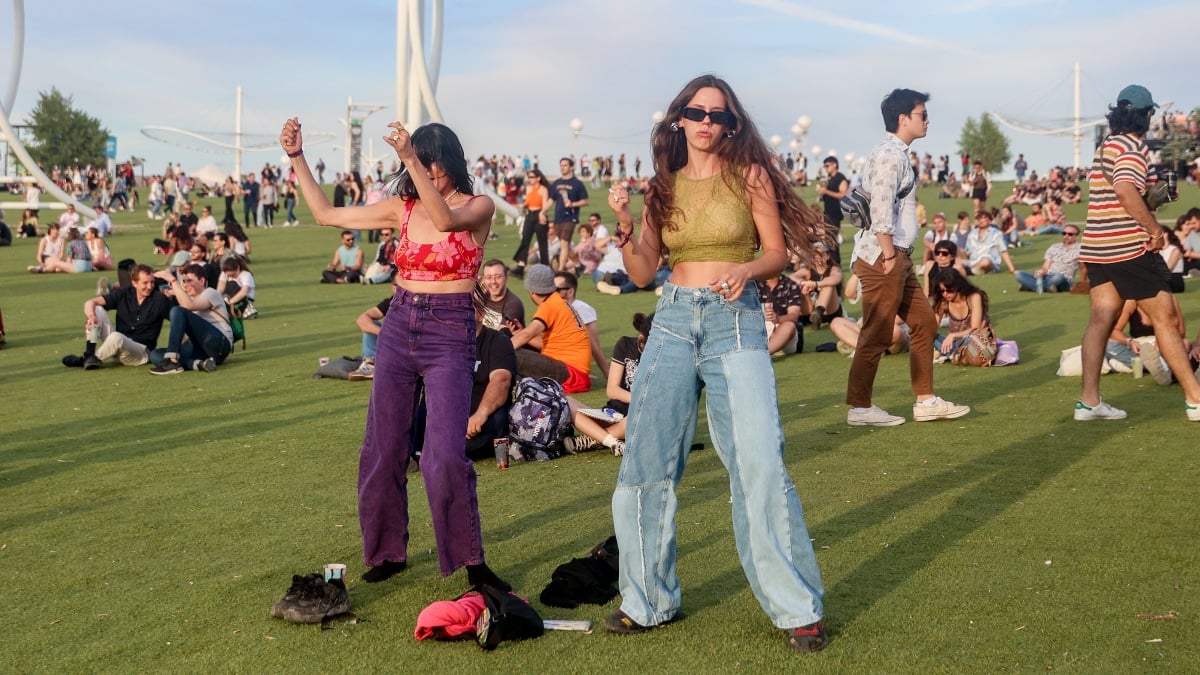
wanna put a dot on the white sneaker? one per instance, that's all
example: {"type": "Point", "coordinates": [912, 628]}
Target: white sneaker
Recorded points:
{"type": "Point", "coordinates": [872, 417]}
{"type": "Point", "coordinates": [365, 371]}
{"type": "Point", "coordinates": [1102, 411]}
{"type": "Point", "coordinates": [1193, 411]}
{"type": "Point", "coordinates": [938, 408]}
{"type": "Point", "coordinates": [1153, 362]}
{"type": "Point", "coordinates": [607, 288]}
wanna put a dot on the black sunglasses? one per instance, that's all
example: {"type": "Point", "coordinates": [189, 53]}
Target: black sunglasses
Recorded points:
{"type": "Point", "coordinates": [941, 252]}
{"type": "Point", "coordinates": [719, 117]}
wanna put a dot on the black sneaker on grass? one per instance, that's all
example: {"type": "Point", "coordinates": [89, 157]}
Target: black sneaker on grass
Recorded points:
{"type": "Point", "coordinates": [90, 362]}
{"type": "Point", "coordinates": [208, 365]}
{"type": "Point", "coordinates": [810, 638]}
{"type": "Point", "coordinates": [299, 587]}
{"type": "Point", "coordinates": [167, 367]}
{"type": "Point", "coordinates": [72, 361]}
{"type": "Point", "coordinates": [311, 599]}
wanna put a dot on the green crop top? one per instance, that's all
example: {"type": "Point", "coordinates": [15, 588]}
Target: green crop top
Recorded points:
{"type": "Point", "coordinates": [715, 223]}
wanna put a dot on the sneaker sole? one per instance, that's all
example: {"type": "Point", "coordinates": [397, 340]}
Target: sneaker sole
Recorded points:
{"type": "Point", "coordinates": [890, 423]}
{"type": "Point", "coordinates": [354, 377]}
{"type": "Point", "coordinates": [1089, 418]}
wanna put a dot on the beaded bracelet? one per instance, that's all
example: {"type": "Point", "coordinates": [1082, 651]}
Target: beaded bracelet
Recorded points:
{"type": "Point", "coordinates": [296, 154]}
{"type": "Point", "coordinates": [623, 237]}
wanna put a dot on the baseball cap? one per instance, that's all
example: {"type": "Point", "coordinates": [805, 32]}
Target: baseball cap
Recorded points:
{"type": "Point", "coordinates": [540, 279]}
{"type": "Point", "coordinates": [1138, 97]}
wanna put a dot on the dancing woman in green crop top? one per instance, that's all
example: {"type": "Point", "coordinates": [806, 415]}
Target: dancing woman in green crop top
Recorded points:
{"type": "Point", "coordinates": [715, 201]}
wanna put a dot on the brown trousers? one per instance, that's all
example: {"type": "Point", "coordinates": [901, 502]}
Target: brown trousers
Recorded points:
{"type": "Point", "coordinates": [884, 296]}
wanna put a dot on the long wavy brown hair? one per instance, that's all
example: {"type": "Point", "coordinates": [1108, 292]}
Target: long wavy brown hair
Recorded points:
{"type": "Point", "coordinates": [744, 148]}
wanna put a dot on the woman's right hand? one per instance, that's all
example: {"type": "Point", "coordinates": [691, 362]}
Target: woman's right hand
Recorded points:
{"type": "Point", "coordinates": [290, 138]}
{"type": "Point", "coordinates": [618, 201]}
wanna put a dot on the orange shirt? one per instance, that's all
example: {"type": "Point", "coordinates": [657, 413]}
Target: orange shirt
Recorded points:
{"type": "Point", "coordinates": [533, 199]}
{"type": "Point", "coordinates": [565, 339]}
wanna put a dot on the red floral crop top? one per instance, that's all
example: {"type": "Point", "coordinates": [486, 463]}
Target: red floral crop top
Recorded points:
{"type": "Point", "coordinates": [455, 257]}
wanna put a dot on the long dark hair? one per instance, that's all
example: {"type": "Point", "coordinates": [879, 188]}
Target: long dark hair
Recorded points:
{"type": "Point", "coordinates": [642, 323]}
{"type": "Point", "coordinates": [435, 143]}
{"type": "Point", "coordinates": [953, 280]}
{"type": "Point", "coordinates": [741, 147]}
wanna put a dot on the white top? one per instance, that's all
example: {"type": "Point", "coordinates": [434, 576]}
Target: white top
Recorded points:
{"type": "Point", "coordinates": [587, 313]}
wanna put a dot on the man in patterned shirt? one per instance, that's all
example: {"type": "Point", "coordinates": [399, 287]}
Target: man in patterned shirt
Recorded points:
{"type": "Point", "coordinates": [1120, 247]}
{"type": "Point", "coordinates": [882, 259]}
{"type": "Point", "coordinates": [1059, 265]}
{"type": "Point", "coordinates": [781, 302]}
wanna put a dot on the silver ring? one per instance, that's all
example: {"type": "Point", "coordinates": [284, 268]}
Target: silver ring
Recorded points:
{"type": "Point", "coordinates": [725, 286]}
{"type": "Point", "coordinates": [395, 137]}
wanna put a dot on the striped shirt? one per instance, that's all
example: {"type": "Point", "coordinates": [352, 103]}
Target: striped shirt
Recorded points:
{"type": "Point", "coordinates": [1112, 235]}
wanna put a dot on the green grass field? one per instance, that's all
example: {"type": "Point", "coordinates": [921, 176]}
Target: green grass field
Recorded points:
{"type": "Point", "coordinates": [147, 524]}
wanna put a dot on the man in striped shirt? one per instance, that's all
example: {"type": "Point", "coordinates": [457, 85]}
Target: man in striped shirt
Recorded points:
{"type": "Point", "coordinates": [1120, 248]}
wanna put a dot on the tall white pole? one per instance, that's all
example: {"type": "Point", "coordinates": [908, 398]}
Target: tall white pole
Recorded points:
{"type": "Point", "coordinates": [416, 27]}
{"type": "Point", "coordinates": [349, 118]}
{"type": "Point", "coordinates": [1078, 113]}
{"type": "Point", "coordinates": [402, 57]}
{"type": "Point", "coordinates": [237, 137]}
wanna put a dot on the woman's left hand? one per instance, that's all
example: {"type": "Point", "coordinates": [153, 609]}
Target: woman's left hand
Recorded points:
{"type": "Point", "coordinates": [946, 345]}
{"type": "Point", "coordinates": [401, 142]}
{"type": "Point", "coordinates": [731, 284]}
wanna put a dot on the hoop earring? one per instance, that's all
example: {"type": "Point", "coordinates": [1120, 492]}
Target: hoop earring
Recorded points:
{"type": "Point", "coordinates": [674, 126]}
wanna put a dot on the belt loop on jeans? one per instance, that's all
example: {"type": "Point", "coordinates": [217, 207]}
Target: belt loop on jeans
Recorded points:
{"type": "Point", "coordinates": [906, 250]}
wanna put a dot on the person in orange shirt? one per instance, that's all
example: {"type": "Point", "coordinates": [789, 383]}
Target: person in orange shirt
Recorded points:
{"type": "Point", "coordinates": [565, 350]}
{"type": "Point", "coordinates": [537, 202]}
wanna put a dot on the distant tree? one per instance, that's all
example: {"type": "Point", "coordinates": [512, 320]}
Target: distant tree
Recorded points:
{"type": "Point", "coordinates": [63, 135]}
{"type": "Point", "coordinates": [984, 142]}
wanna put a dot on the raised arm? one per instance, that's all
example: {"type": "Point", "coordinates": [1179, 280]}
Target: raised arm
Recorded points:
{"type": "Point", "coordinates": [640, 253]}
{"type": "Point", "coordinates": [373, 217]}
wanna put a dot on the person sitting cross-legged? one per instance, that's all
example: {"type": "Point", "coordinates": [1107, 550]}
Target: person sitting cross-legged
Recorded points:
{"type": "Point", "coordinates": [141, 309]}
{"type": "Point", "coordinates": [201, 317]}
{"type": "Point", "coordinates": [625, 358]}
{"type": "Point", "coordinates": [565, 349]}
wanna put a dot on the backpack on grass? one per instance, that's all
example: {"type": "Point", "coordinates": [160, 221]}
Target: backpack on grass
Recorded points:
{"type": "Point", "coordinates": [539, 418]}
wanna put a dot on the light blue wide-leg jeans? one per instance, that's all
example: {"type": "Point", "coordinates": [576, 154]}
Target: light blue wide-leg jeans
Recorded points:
{"type": "Point", "coordinates": [699, 339]}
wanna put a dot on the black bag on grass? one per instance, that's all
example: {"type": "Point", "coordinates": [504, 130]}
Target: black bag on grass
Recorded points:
{"type": "Point", "coordinates": [506, 617]}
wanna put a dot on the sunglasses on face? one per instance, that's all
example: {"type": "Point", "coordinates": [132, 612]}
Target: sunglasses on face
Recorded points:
{"type": "Point", "coordinates": [1070, 234]}
{"type": "Point", "coordinates": [941, 253]}
{"type": "Point", "coordinates": [924, 115]}
{"type": "Point", "coordinates": [718, 117]}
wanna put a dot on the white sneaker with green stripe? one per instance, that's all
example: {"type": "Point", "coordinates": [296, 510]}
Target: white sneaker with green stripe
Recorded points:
{"type": "Point", "coordinates": [1193, 411]}
{"type": "Point", "coordinates": [1100, 411]}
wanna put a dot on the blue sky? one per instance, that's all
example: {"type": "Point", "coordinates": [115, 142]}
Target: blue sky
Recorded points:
{"type": "Point", "coordinates": [515, 72]}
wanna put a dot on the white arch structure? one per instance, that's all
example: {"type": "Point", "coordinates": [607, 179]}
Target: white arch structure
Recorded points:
{"type": "Point", "coordinates": [14, 143]}
{"type": "Point", "coordinates": [416, 75]}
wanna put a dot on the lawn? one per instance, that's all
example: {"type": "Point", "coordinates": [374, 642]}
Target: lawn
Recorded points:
{"type": "Point", "coordinates": [147, 523]}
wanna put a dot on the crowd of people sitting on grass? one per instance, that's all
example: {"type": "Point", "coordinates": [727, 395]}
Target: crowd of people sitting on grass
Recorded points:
{"type": "Point", "coordinates": [561, 341]}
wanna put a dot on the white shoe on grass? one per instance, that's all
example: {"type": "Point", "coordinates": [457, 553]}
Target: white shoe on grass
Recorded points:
{"type": "Point", "coordinates": [938, 408]}
{"type": "Point", "coordinates": [1193, 411]}
{"type": "Point", "coordinates": [872, 417]}
{"type": "Point", "coordinates": [1102, 411]}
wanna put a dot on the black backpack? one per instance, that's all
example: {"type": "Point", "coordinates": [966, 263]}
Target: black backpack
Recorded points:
{"type": "Point", "coordinates": [540, 417]}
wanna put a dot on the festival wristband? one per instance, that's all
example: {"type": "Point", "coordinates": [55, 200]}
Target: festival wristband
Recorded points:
{"type": "Point", "coordinates": [296, 154]}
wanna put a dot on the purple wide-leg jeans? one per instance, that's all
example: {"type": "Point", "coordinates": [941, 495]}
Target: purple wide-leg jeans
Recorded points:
{"type": "Point", "coordinates": [426, 339]}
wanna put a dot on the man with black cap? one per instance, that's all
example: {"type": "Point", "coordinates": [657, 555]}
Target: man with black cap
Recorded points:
{"type": "Point", "coordinates": [1120, 247]}
{"type": "Point", "coordinates": [565, 351]}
